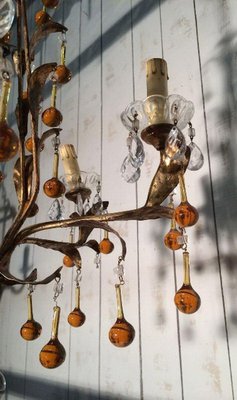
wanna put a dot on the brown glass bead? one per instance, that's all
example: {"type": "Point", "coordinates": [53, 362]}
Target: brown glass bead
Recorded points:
{"type": "Point", "coordinates": [9, 142]}
{"type": "Point", "coordinates": [68, 262]}
{"type": "Point", "coordinates": [171, 239]}
{"type": "Point", "coordinates": [6, 38]}
{"type": "Point", "coordinates": [29, 145]}
{"type": "Point", "coordinates": [31, 330]}
{"type": "Point", "coordinates": [52, 117]}
{"type": "Point", "coordinates": [50, 3]}
{"type": "Point", "coordinates": [62, 74]}
{"type": "Point", "coordinates": [187, 300]}
{"type": "Point", "coordinates": [54, 188]}
{"type": "Point", "coordinates": [76, 318]}
{"type": "Point", "coordinates": [34, 210]}
{"type": "Point", "coordinates": [122, 333]}
{"type": "Point", "coordinates": [106, 246]}
{"type": "Point", "coordinates": [52, 354]}
{"type": "Point", "coordinates": [41, 17]}
{"type": "Point", "coordinates": [186, 215]}
{"type": "Point", "coordinates": [1, 177]}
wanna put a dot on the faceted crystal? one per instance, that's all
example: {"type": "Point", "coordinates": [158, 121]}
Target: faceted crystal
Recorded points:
{"type": "Point", "coordinates": [175, 146]}
{"type": "Point", "coordinates": [180, 110]}
{"type": "Point", "coordinates": [196, 157]}
{"type": "Point", "coordinates": [79, 204]}
{"type": "Point", "coordinates": [130, 173]}
{"type": "Point", "coordinates": [7, 12]}
{"type": "Point", "coordinates": [86, 206]}
{"type": "Point", "coordinates": [56, 210]}
{"type": "Point", "coordinates": [136, 150]}
{"type": "Point", "coordinates": [133, 116]}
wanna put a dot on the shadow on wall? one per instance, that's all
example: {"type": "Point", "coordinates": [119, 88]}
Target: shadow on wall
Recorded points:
{"type": "Point", "coordinates": [38, 389]}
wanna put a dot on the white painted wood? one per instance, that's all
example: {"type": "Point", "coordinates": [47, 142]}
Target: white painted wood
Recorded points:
{"type": "Point", "coordinates": [151, 368]}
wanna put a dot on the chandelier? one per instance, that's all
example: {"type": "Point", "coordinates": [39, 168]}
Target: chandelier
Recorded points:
{"type": "Point", "coordinates": [158, 120]}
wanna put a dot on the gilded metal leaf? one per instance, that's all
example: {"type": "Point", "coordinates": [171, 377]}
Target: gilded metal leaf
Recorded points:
{"type": "Point", "coordinates": [41, 32]}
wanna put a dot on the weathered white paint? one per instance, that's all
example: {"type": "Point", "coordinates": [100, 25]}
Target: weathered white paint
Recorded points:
{"type": "Point", "coordinates": [173, 356]}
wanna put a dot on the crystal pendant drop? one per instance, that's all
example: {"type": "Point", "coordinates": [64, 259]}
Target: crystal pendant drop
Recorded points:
{"type": "Point", "coordinates": [137, 154]}
{"type": "Point", "coordinates": [175, 146]}
{"type": "Point", "coordinates": [7, 12]}
{"type": "Point", "coordinates": [79, 204]}
{"type": "Point", "coordinates": [56, 210]}
{"type": "Point", "coordinates": [196, 157]}
{"type": "Point", "coordinates": [130, 173]}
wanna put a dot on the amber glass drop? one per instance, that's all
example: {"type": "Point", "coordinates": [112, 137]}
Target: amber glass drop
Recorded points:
{"type": "Point", "coordinates": [106, 246]}
{"type": "Point", "coordinates": [53, 353]}
{"type": "Point", "coordinates": [62, 74]}
{"type": "Point", "coordinates": [29, 145]}
{"type": "Point", "coordinates": [34, 210]}
{"type": "Point", "coordinates": [50, 3]}
{"type": "Point", "coordinates": [76, 318]}
{"type": "Point", "coordinates": [122, 332]}
{"type": "Point", "coordinates": [31, 330]}
{"type": "Point", "coordinates": [1, 177]}
{"type": "Point", "coordinates": [8, 142]}
{"type": "Point", "coordinates": [68, 262]}
{"type": "Point", "coordinates": [52, 117]}
{"type": "Point", "coordinates": [171, 239]}
{"type": "Point", "coordinates": [186, 215]}
{"type": "Point", "coordinates": [186, 299]}
{"type": "Point", "coordinates": [54, 188]}
{"type": "Point", "coordinates": [41, 17]}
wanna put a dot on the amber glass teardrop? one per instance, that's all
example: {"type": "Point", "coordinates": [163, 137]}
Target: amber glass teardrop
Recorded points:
{"type": "Point", "coordinates": [76, 318]}
{"type": "Point", "coordinates": [50, 3]}
{"type": "Point", "coordinates": [171, 239]}
{"type": "Point", "coordinates": [31, 330]}
{"type": "Point", "coordinates": [187, 300]}
{"type": "Point", "coordinates": [52, 117]}
{"type": "Point", "coordinates": [34, 210]}
{"type": "Point", "coordinates": [54, 188]}
{"type": "Point", "coordinates": [41, 17]}
{"type": "Point", "coordinates": [29, 145]}
{"type": "Point", "coordinates": [186, 215]}
{"type": "Point", "coordinates": [106, 246]}
{"type": "Point", "coordinates": [122, 333]}
{"type": "Point", "coordinates": [52, 354]}
{"type": "Point", "coordinates": [1, 177]}
{"type": "Point", "coordinates": [9, 142]}
{"type": "Point", "coordinates": [68, 262]}
{"type": "Point", "coordinates": [62, 74]}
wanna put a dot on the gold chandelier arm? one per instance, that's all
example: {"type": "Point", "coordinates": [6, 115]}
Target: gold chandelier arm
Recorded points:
{"type": "Point", "coordinates": [166, 178]}
{"type": "Point", "coordinates": [70, 249]}
{"type": "Point", "coordinates": [8, 279]}
{"type": "Point", "coordinates": [96, 221]}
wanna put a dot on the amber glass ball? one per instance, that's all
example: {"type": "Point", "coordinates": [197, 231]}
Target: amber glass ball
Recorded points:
{"type": "Point", "coordinates": [1, 177]}
{"type": "Point", "coordinates": [54, 188]}
{"type": "Point", "coordinates": [41, 17]}
{"type": "Point", "coordinates": [187, 300]}
{"type": "Point", "coordinates": [52, 117]}
{"type": "Point", "coordinates": [62, 74]}
{"type": "Point", "coordinates": [76, 318]}
{"type": "Point", "coordinates": [68, 262]}
{"type": "Point", "coordinates": [34, 210]}
{"type": "Point", "coordinates": [171, 239]}
{"type": "Point", "coordinates": [9, 142]}
{"type": "Point", "coordinates": [29, 145]}
{"type": "Point", "coordinates": [50, 3]}
{"type": "Point", "coordinates": [106, 246]}
{"type": "Point", "coordinates": [186, 215]}
{"type": "Point", "coordinates": [122, 333]}
{"type": "Point", "coordinates": [31, 330]}
{"type": "Point", "coordinates": [52, 354]}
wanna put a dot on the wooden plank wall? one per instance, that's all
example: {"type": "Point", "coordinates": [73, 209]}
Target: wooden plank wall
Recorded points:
{"type": "Point", "coordinates": [173, 356]}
